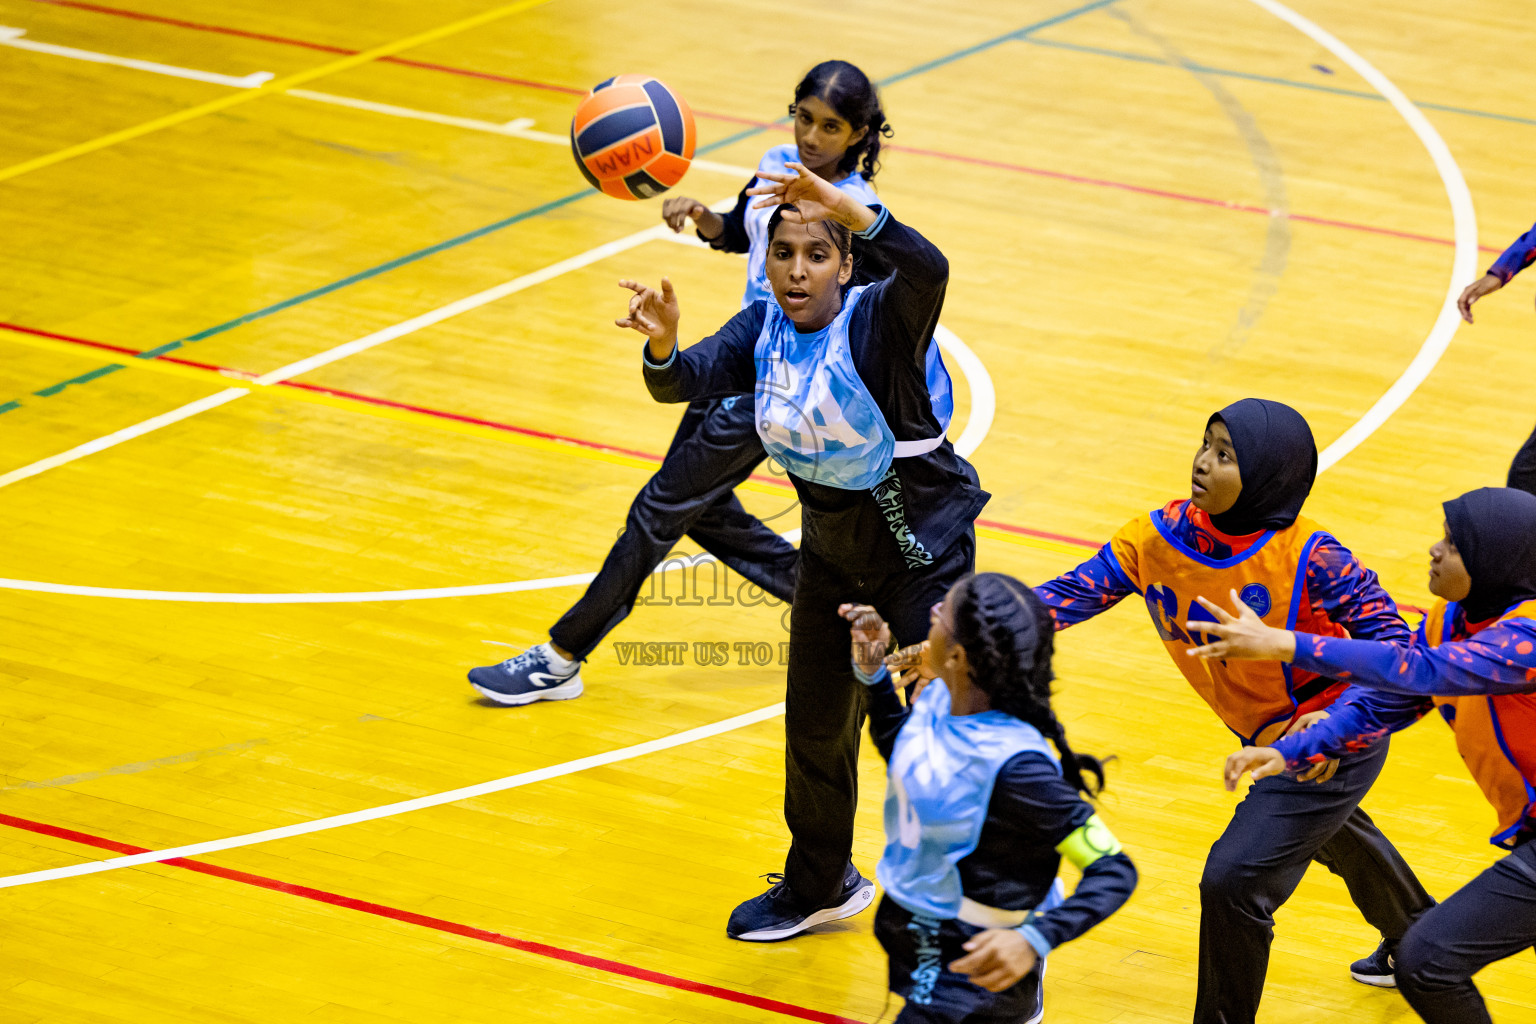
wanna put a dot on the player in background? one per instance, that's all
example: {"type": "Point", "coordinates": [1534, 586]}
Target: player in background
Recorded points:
{"type": "Point", "coordinates": [838, 127]}
{"type": "Point", "coordinates": [980, 811]}
{"type": "Point", "coordinates": [1520, 254]}
{"type": "Point", "coordinates": [841, 396]}
{"type": "Point", "coordinates": [1242, 529]}
{"type": "Point", "coordinates": [1473, 657]}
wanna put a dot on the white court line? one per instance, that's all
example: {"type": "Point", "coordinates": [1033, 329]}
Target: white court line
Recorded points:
{"type": "Point", "coordinates": [1465, 238]}
{"type": "Point", "coordinates": [350, 348]}
{"type": "Point", "coordinates": [983, 409]}
{"type": "Point", "coordinates": [12, 37]}
{"type": "Point", "coordinates": [518, 128]}
{"type": "Point", "coordinates": [402, 807]}
{"type": "Point", "coordinates": [1463, 264]}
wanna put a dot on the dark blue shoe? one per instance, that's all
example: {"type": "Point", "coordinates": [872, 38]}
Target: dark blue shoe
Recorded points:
{"type": "Point", "coordinates": [776, 915]}
{"type": "Point", "coordinates": [1379, 968]}
{"type": "Point", "coordinates": [528, 677]}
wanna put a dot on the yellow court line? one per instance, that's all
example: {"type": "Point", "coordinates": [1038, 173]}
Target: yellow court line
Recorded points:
{"type": "Point", "coordinates": [274, 86]}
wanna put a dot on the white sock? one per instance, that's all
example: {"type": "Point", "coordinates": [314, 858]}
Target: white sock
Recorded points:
{"type": "Point", "coordinates": [555, 661]}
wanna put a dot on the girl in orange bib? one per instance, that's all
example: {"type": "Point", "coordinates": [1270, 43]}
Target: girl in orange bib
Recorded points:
{"type": "Point", "coordinates": [1241, 529]}
{"type": "Point", "coordinates": [1474, 657]}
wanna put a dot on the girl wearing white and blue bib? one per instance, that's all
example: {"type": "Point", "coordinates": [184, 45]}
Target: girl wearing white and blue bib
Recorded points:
{"type": "Point", "coordinates": [980, 810]}
{"type": "Point", "coordinates": [839, 387]}
{"type": "Point", "coordinates": [838, 126]}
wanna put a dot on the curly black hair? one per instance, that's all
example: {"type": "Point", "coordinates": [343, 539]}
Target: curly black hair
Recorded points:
{"type": "Point", "coordinates": [847, 90]}
{"type": "Point", "coordinates": [1008, 637]}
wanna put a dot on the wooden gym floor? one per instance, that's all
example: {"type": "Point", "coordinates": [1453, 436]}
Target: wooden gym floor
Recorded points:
{"type": "Point", "coordinates": [385, 387]}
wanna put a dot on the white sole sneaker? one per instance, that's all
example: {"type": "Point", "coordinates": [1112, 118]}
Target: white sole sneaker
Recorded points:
{"type": "Point", "coordinates": [565, 691]}
{"type": "Point", "coordinates": [861, 898]}
{"type": "Point", "coordinates": [1375, 980]}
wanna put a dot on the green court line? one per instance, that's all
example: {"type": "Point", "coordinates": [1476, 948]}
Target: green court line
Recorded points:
{"type": "Point", "coordinates": [1141, 58]}
{"type": "Point", "coordinates": [537, 211]}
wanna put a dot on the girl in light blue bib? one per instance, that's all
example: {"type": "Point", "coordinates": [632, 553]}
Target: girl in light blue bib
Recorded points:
{"type": "Point", "coordinates": [980, 809]}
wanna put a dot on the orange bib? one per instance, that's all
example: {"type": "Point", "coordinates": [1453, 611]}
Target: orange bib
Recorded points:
{"type": "Point", "coordinates": [1495, 734]}
{"type": "Point", "coordinates": [1251, 697]}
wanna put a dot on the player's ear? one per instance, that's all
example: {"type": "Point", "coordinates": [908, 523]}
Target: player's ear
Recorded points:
{"type": "Point", "coordinates": [845, 271]}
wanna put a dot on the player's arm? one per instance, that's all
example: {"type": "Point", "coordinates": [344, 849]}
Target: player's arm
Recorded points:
{"type": "Point", "coordinates": [1516, 258]}
{"type": "Point", "coordinates": [1079, 594]}
{"type": "Point", "coordinates": [1349, 594]}
{"type": "Point", "coordinates": [1356, 721]}
{"type": "Point", "coordinates": [716, 367]}
{"type": "Point", "coordinates": [1031, 791]}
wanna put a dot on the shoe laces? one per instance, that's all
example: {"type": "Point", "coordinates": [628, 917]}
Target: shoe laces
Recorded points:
{"type": "Point", "coordinates": [776, 882]}
{"type": "Point", "coordinates": [527, 657]}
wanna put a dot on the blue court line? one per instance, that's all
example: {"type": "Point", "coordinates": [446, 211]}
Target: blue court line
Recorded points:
{"type": "Point", "coordinates": [1141, 58]}
{"type": "Point", "coordinates": [555, 204]}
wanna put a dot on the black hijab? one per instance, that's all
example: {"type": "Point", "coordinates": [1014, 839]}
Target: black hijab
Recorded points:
{"type": "Point", "coordinates": [1494, 530]}
{"type": "Point", "coordinates": [1277, 460]}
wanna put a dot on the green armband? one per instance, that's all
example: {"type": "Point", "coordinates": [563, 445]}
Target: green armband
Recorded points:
{"type": "Point", "coordinates": [1090, 842]}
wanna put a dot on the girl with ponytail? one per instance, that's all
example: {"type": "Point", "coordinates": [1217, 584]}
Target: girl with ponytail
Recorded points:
{"type": "Point", "coordinates": [980, 810]}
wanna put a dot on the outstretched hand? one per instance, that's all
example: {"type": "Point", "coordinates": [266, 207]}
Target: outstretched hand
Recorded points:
{"type": "Point", "coordinates": [1485, 285]}
{"type": "Point", "coordinates": [1242, 636]}
{"type": "Point", "coordinates": [654, 314]}
{"type": "Point", "coordinates": [810, 198]}
{"type": "Point", "coordinates": [871, 636]}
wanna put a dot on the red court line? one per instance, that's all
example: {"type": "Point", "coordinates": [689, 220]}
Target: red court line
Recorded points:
{"type": "Point", "coordinates": [1023, 531]}
{"type": "Point", "coordinates": [915, 150]}
{"type": "Point", "coordinates": [569, 956]}
{"type": "Point", "coordinates": [443, 414]}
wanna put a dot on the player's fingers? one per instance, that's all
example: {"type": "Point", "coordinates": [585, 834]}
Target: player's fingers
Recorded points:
{"type": "Point", "coordinates": [667, 294]}
{"type": "Point", "coordinates": [1214, 608]}
{"type": "Point", "coordinates": [907, 657]}
{"type": "Point", "coordinates": [634, 286]}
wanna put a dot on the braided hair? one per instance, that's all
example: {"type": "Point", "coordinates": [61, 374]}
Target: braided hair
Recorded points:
{"type": "Point", "coordinates": [1008, 637]}
{"type": "Point", "coordinates": [847, 90]}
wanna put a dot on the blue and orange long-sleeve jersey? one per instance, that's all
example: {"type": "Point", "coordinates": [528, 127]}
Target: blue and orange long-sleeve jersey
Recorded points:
{"type": "Point", "coordinates": [1300, 577]}
{"type": "Point", "coordinates": [1516, 258]}
{"type": "Point", "coordinates": [1481, 675]}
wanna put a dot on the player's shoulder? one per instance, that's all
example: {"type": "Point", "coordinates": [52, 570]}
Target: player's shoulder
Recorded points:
{"type": "Point", "coordinates": [778, 159]}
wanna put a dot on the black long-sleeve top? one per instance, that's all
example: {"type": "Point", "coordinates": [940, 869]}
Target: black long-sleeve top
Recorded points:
{"type": "Point", "coordinates": [928, 501]}
{"type": "Point", "coordinates": [1015, 861]}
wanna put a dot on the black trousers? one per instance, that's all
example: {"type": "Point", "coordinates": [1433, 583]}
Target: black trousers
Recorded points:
{"type": "Point", "coordinates": [920, 950]}
{"type": "Point", "coordinates": [825, 703]}
{"type": "Point", "coordinates": [1491, 917]}
{"type": "Point", "coordinates": [1522, 472]}
{"type": "Point", "coordinates": [1278, 828]}
{"type": "Point", "coordinates": [715, 448]}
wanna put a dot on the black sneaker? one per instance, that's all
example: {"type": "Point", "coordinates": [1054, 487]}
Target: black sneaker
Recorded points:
{"type": "Point", "coordinates": [528, 677]}
{"type": "Point", "coordinates": [775, 915]}
{"type": "Point", "coordinates": [1377, 969]}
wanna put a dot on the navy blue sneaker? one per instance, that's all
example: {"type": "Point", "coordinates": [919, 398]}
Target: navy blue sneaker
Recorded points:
{"type": "Point", "coordinates": [536, 674]}
{"type": "Point", "coordinates": [1378, 968]}
{"type": "Point", "coordinates": [776, 915]}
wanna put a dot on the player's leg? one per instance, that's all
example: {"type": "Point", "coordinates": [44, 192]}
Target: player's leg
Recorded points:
{"type": "Point", "coordinates": [727, 445]}
{"type": "Point", "coordinates": [1382, 886]}
{"type": "Point", "coordinates": [824, 710]}
{"type": "Point", "coordinates": [697, 474]}
{"type": "Point", "coordinates": [1254, 867]}
{"type": "Point", "coordinates": [1490, 918]}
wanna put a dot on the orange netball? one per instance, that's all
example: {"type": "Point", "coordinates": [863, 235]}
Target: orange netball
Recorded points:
{"type": "Point", "coordinates": [632, 137]}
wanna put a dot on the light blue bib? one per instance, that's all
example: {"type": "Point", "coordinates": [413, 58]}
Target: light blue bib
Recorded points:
{"type": "Point", "coordinates": [942, 772]}
{"type": "Point", "coordinates": [814, 414]}
{"type": "Point", "coordinates": [777, 159]}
